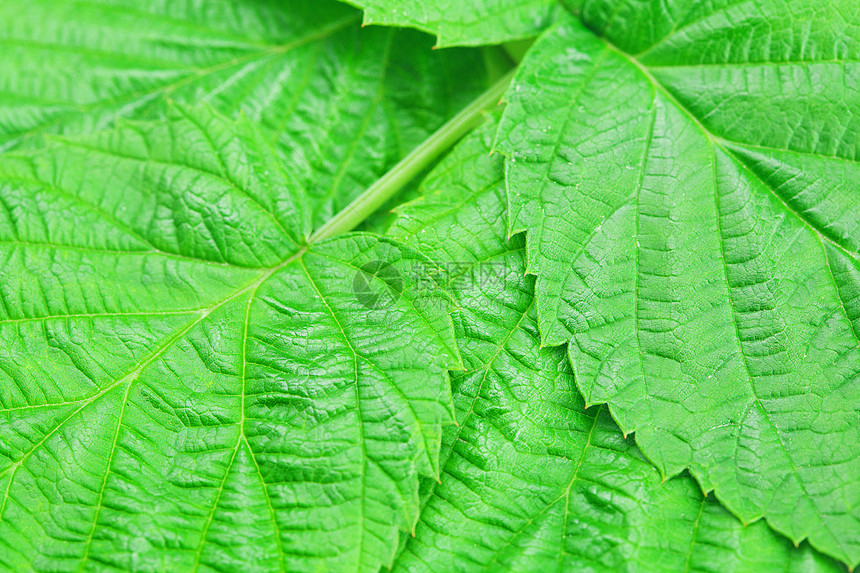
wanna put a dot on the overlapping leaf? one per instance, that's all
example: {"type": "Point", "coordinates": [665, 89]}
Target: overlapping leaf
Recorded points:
{"type": "Point", "coordinates": [464, 22]}
{"type": "Point", "coordinates": [342, 104]}
{"type": "Point", "coordinates": [184, 385]}
{"type": "Point", "coordinates": [687, 176]}
{"type": "Point", "coordinates": [531, 480]}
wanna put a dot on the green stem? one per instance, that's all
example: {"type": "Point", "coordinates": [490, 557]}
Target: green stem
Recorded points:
{"type": "Point", "coordinates": [411, 165]}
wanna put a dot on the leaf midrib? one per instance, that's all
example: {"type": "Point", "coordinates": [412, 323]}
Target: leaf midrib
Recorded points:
{"type": "Point", "coordinates": [718, 142]}
{"type": "Point", "coordinates": [564, 495]}
{"type": "Point", "coordinates": [130, 378]}
{"type": "Point", "coordinates": [340, 225]}
{"type": "Point", "coordinates": [721, 143]}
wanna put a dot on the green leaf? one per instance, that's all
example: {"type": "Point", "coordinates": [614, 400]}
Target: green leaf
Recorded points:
{"type": "Point", "coordinates": [531, 480]}
{"type": "Point", "coordinates": [687, 179]}
{"type": "Point", "coordinates": [464, 22]}
{"type": "Point", "coordinates": [300, 69]}
{"type": "Point", "coordinates": [184, 383]}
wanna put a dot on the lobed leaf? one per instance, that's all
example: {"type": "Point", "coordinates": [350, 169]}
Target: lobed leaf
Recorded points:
{"type": "Point", "coordinates": [185, 383]}
{"type": "Point", "coordinates": [188, 381]}
{"type": "Point", "coordinates": [531, 480]}
{"type": "Point", "coordinates": [685, 173]}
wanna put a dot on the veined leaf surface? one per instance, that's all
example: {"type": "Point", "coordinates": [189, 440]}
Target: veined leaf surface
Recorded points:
{"type": "Point", "coordinates": [464, 22]}
{"type": "Point", "coordinates": [185, 384]}
{"type": "Point", "coordinates": [531, 480]}
{"type": "Point", "coordinates": [686, 173]}
{"type": "Point", "coordinates": [342, 104]}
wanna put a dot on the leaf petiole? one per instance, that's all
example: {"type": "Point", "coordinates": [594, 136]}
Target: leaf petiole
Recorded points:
{"type": "Point", "coordinates": [411, 165]}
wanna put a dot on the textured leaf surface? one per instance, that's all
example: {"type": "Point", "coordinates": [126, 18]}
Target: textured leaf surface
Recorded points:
{"type": "Point", "coordinates": [464, 22]}
{"type": "Point", "coordinates": [183, 385]}
{"type": "Point", "coordinates": [532, 481]}
{"type": "Point", "coordinates": [688, 183]}
{"type": "Point", "coordinates": [343, 104]}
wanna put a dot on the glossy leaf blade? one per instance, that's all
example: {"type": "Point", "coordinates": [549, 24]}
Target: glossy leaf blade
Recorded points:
{"type": "Point", "coordinates": [532, 481]}
{"type": "Point", "coordinates": [691, 214]}
{"type": "Point", "coordinates": [342, 104]}
{"type": "Point", "coordinates": [464, 22]}
{"type": "Point", "coordinates": [185, 385]}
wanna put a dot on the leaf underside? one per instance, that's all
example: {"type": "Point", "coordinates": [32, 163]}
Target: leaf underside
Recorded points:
{"type": "Point", "coordinates": [686, 175]}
